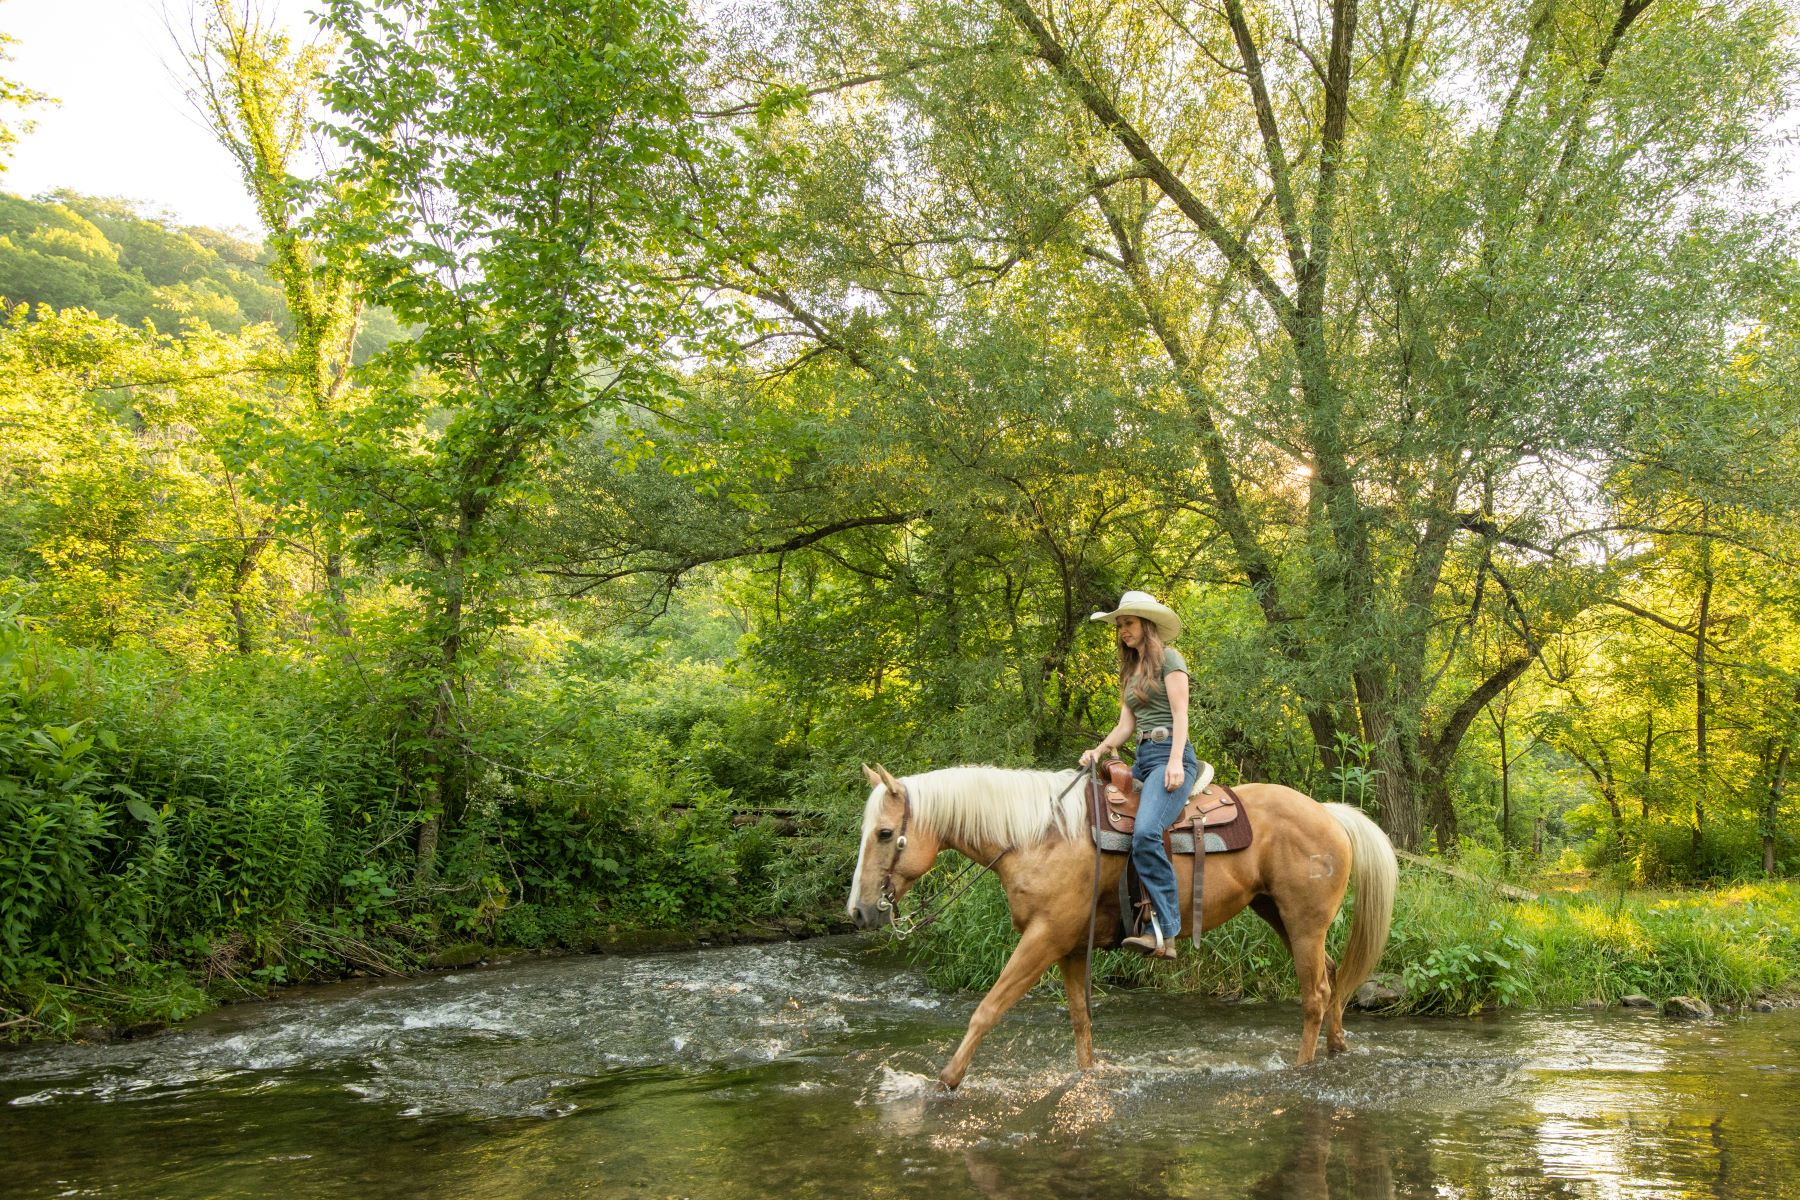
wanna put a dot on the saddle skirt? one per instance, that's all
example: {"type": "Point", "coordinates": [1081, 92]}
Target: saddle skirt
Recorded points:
{"type": "Point", "coordinates": [1211, 811]}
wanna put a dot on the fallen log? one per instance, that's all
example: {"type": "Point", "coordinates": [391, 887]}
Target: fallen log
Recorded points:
{"type": "Point", "coordinates": [1505, 889]}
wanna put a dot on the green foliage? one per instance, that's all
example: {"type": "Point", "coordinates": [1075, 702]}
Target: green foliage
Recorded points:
{"type": "Point", "coordinates": [57, 815]}
{"type": "Point", "coordinates": [1463, 948]}
{"type": "Point", "coordinates": [101, 255]}
{"type": "Point", "coordinates": [726, 452]}
{"type": "Point", "coordinates": [1464, 978]}
{"type": "Point", "coordinates": [1074, 324]}
{"type": "Point", "coordinates": [240, 818]}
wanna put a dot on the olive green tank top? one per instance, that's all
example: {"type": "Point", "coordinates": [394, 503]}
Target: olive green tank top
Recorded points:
{"type": "Point", "coordinates": [1154, 709]}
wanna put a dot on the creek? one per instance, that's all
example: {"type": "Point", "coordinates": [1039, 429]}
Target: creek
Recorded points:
{"type": "Point", "coordinates": [806, 1069]}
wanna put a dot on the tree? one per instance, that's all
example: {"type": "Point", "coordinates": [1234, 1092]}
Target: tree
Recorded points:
{"type": "Point", "coordinates": [256, 90]}
{"type": "Point", "coordinates": [1406, 333]}
{"type": "Point", "coordinates": [117, 500]}
{"type": "Point", "coordinates": [506, 192]}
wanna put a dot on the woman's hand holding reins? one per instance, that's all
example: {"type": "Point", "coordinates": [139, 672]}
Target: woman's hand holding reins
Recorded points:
{"type": "Point", "coordinates": [1090, 757]}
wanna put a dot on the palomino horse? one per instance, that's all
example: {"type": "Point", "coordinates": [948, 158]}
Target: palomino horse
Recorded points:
{"type": "Point", "coordinates": [1293, 875]}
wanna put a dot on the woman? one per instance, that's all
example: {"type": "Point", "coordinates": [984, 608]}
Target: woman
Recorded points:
{"type": "Point", "coordinates": [1153, 686]}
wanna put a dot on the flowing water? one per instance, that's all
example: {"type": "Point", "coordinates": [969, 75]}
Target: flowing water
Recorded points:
{"type": "Point", "coordinates": [807, 1069]}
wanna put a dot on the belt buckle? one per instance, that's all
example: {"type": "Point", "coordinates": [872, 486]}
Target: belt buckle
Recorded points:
{"type": "Point", "coordinates": [1161, 734]}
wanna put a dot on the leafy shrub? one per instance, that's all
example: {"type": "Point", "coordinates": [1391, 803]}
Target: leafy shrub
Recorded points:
{"type": "Point", "coordinates": [1467, 977]}
{"type": "Point", "coordinates": [57, 813]}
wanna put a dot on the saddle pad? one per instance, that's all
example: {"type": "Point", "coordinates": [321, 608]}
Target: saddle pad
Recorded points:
{"type": "Point", "coordinates": [1220, 839]}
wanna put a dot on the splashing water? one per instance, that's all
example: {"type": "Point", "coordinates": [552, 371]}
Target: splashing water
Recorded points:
{"type": "Point", "coordinates": [810, 1068]}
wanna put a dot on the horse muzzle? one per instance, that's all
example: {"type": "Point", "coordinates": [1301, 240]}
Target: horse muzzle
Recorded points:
{"type": "Point", "coordinates": [872, 916]}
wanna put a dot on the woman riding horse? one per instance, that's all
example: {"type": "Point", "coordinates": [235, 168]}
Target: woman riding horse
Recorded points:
{"type": "Point", "coordinates": [1032, 829]}
{"type": "Point", "coordinates": [1153, 702]}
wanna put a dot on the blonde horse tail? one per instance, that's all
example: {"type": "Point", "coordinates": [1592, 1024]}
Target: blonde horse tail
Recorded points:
{"type": "Point", "coordinates": [1375, 874]}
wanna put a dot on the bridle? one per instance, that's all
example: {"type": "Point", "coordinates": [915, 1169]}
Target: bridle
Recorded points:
{"type": "Point", "coordinates": [932, 910]}
{"type": "Point", "coordinates": [889, 902]}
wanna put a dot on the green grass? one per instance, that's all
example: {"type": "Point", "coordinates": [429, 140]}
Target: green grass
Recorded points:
{"type": "Point", "coordinates": [1460, 947]}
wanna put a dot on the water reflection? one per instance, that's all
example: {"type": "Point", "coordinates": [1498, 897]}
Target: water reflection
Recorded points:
{"type": "Point", "coordinates": [1302, 1174]}
{"type": "Point", "coordinates": [1311, 1152]}
{"type": "Point", "coordinates": [809, 1070]}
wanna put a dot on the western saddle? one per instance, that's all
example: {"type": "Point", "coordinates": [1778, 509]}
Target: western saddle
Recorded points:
{"type": "Point", "coordinates": [1213, 821]}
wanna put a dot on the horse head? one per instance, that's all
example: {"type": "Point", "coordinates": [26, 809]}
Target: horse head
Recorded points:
{"type": "Point", "coordinates": [896, 850]}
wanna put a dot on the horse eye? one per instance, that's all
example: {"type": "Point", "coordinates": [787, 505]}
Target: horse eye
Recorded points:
{"type": "Point", "coordinates": [884, 835]}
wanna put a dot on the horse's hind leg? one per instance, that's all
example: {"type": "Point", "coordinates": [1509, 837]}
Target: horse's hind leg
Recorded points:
{"type": "Point", "coordinates": [1265, 907]}
{"type": "Point", "coordinates": [1312, 966]}
{"type": "Point", "coordinates": [1030, 959]}
{"type": "Point", "coordinates": [1334, 1013]}
{"type": "Point", "coordinates": [1075, 978]}
{"type": "Point", "coordinates": [1315, 988]}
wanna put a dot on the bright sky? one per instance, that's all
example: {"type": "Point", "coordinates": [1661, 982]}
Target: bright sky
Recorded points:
{"type": "Point", "coordinates": [124, 127]}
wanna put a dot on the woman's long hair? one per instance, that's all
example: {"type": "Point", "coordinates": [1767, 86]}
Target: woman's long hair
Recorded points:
{"type": "Point", "coordinates": [1142, 672]}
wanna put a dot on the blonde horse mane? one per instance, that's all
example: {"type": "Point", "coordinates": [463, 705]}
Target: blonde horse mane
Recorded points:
{"type": "Point", "coordinates": [992, 806]}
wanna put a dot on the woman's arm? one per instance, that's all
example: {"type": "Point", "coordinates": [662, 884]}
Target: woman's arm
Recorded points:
{"type": "Point", "coordinates": [1120, 734]}
{"type": "Point", "coordinates": [1174, 775]}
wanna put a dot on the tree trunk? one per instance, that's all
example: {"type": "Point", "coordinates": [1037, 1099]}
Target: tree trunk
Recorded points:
{"type": "Point", "coordinates": [241, 574]}
{"type": "Point", "coordinates": [443, 756]}
{"type": "Point", "coordinates": [1436, 753]}
{"type": "Point", "coordinates": [1396, 798]}
{"type": "Point", "coordinates": [1610, 791]}
{"type": "Point", "coordinates": [336, 606]}
{"type": "Point", "coordinates": [1700, 701]}
{"type": "Point", "coordinates": [425, 849]}
{"type": "Point", "coordinates": [1440, 809]}
{"type": "Point", "coordinates": [1505, 786]}
{"type": "Point", "coordinates": [1777, 778]}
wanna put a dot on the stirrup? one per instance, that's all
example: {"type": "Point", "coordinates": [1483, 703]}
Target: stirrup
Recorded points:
{"type": "Point", "coordinates": [1160, 947]}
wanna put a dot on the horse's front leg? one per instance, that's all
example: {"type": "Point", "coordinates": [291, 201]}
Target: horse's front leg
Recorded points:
{"type": "Point", "coordinates": [1030, 959]}
{"type": "Point", "coordinates": [1075, 977]}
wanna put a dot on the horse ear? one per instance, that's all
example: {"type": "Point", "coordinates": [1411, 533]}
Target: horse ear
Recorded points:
{"type": "Point", "coordinates": [893, 785]}
{"type": "Point", "coordinates": [873, 778]}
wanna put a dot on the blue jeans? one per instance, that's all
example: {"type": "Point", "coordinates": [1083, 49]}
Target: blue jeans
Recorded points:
{"type": "Point", "coordinates": [1157, 809]}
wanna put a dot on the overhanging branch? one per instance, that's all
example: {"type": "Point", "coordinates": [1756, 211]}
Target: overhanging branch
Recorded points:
{"type": "Point", "coordinates": [678, 564]}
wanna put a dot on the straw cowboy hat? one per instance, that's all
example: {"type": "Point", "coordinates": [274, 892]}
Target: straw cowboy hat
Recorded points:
{"type": "Point", "coordinates": [1143, 604]}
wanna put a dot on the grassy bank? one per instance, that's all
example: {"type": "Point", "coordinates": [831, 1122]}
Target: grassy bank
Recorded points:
{"type": "Point", "coordinates": [1461, 948]}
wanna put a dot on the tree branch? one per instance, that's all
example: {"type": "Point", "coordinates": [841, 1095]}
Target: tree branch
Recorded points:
{"type": "Point", "coordinates": [1271, 134]}
{"type": "Point", "coordinates": [845, 84]}
{"type": "Point", "coordinates": [1310, 292]}
{"type": "Point", "coordinates": [1236, 252]}
{"type": "Point", "coordinates": [672, 571]}
{"type": "Point", "coordinates": [1442, 747]}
